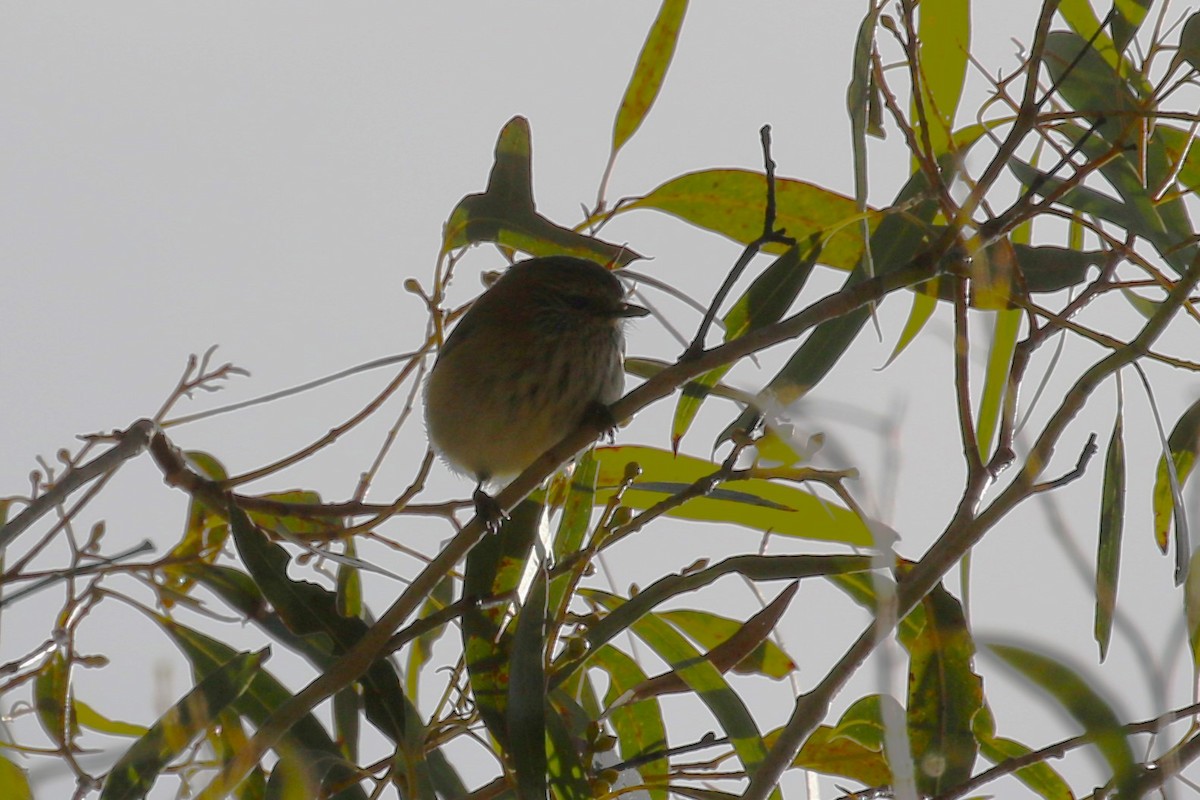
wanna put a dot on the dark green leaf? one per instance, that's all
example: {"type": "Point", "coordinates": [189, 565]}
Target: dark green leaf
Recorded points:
{"type": "Point", "coordinates": [1039, 777]}
{"type": "Point", "coordinates": [943, 695]}
{"type": "Point", "coordinates": [505, 213]}
{"type": "Point", "coordinates": [135, 771]}
{"type": "Point", "coordinates": [526, 711]}
{"type": "Point", "coordinates": [765, 302]}
{"type": "Point", "coordinates": [1112, 521]}
{"type": "Point", "coordinates": [1126, 18]}
{"type": "Point", "coordinates": [260, 700]}
{"type": "Point", "coordinates": [1081, 701]}
{"type": "Point", "coordinates": [703, 679]}
{"type": "Point", "coordinates": [1189, 41]}
{"type": "Point", "coordinates": [493, 574]}
{"type": "Point", "coordinates": [1092, 86]}
{"type": "Point", "coordinates": [52, 695]}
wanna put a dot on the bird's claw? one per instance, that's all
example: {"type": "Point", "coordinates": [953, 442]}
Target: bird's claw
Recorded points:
{"type": "Point", "coordinates": [488, 510]}
{"type": "Point", "coordinates": [601, 415]}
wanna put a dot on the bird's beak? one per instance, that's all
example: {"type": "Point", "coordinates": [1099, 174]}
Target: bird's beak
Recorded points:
{"type": "Point", "coordinates": [632, 310]}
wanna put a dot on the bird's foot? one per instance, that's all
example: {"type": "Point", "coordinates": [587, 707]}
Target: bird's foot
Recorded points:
{"type": "Point", "coordinates": [602, 417]}
{"type": "Point", "coordinates": [488, 510]}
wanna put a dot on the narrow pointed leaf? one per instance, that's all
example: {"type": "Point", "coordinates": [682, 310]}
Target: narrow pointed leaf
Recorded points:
{"type": "Point", "coordinates": [1006, 328]}
{"type": "Point", "coordinates": [1084, 704]}
{"type": "Point", "coordinates": [89, 717]}
{"type": "Point", "coordinates": [135, 772]}
{"type": "Point", "coordinates": [639, 726]}
{"type": "Point", "coordinates": [264, 695]}
{"type": "Point", "coordinates": [711, 630]}
{"type": "Point", "coordinates": [923, 306]}
{"type": "Point", "coordinates": [754, 503]}
{"type": "Point", "coordinates": [1127, 17]}
{"type": "Point", "coordinates": [1112, 522]}
{"type": "Point", "coordinates": [1168, 502]}
{"type": "Point", "coordinates": [1040, 777]}
{"type": "Point", "coordinates": [649, 72]}
{"type": "Point", "coordinates": [494, 569]}
{"type": "Point", "coordinates": [704, 679]}
{"type": "Point", "coordinates": [767, 299]}
{"type": "Point", "coordinates": [944, 693]}
{"type": "Point", "coordinates": [526, 712]}
{"type": "Point", "coordinates": [944, 33]}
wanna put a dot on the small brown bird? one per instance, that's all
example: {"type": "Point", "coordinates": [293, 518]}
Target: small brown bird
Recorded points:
{"type": "Point", "coordinates": [536, 353]}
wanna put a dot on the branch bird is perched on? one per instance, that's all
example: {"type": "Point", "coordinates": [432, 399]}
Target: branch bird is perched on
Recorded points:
{"type": "Point", "coordinates": [538, 352]}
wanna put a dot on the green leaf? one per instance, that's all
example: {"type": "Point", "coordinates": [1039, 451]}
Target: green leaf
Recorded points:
{"type": "Point", "coordinates": [1168, 502]}
{"type": "Point", "coordinates": [1136, 214]}
{"type": "Point", "coordinates": [944, 33]}
{"type": "Point", "coordinates": [494, 569]}
{"type": "Point", "coordinates": [1180, 148]}
{"type": "Point", "coordinates": [767, 299]}
{"type": "Point", "coordinates": [1127, 17]}
{"type": "Point", "coordinates": [1039, 777]}
{"type": "Point", "coordinates": [711, 630]}
{"type": "Point", "coordinates": [1081, 701]}
{"type": "Point", "coordinates": [943, 695]}
{"type": "Point", "coordinates": [639, 726]}
{"type": "Point", "coordinates": [901, 234]}
{"type": "Point", "coordinates": [206, 532]}
{"type": "Point", "coordinates": [732, 202]}
{"type": "Point", "coordinates": [1046, 268]}
{"type": "Point", "coordinates": [265, 694]}
{"type": "Point", "coordinates": [505, 214]}
{"type": "Point", "coordinates": [310, 610]}
{"type": "Point", "coordinates": [169, 737]}
{"type": "Point", "coordinates": [1091, 83]}
{"type": "Point", "coordinates": [1082, 19]}
{"type": "Point", "coordinates": [649, 72]}
{"type": "Point", "coordinates": [703, 679]}
{"type": "Point", "coordinates": [860, 586]}
{"type": "Point", "coordinates": [89, 717]}
{"type": "Point", "coordinates": [567, 774]}
{"type": "Point", "coordinates": [292, 527]}
{"type": "Point", "coordinates": [421, 650]}
{"type": "Point", "coordinates": [14, 781]}
{"type": "Point", "coordinates": [526, 712]}
{"type": "Point", "coordinates": [52, 698]}
{"type": "Point", "coordinates": [754, 568]}
{"type": "Point", "coordinates": [754, 503]}
{"type": "Point", "coordinates": [854, 746]}
{"type": "Point", "coordinates": [923, 306]}
{"type": "Point", "coordinates": [1191, 606]}
{"type": "Point", "coordinates": [1189, 41]}
{"type": "Point", "coordinates": [1112, 521]}
{"type": "Point", "coordinates": [1005, 330]}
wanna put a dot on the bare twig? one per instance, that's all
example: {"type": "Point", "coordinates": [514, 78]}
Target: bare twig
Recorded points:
{"type": "Point", "coordinates": [130, 442]}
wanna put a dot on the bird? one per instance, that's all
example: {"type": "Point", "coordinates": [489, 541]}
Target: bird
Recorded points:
{"type": "Point", "coordinates": [536, 354]}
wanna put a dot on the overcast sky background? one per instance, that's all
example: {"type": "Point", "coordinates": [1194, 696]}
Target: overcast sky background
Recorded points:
{"type": "Point", "coordinates": [265, 176]}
